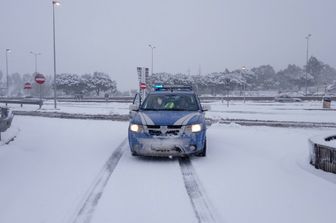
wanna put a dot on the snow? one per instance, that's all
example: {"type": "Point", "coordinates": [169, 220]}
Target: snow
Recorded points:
{"type": "Point", "coordinates": [310, 111]}
{"type": "Point", "coordinates": [145, 190]}
{"type": "Point", "coordinates": [262, 174]}
{"type": "Point", "coordinates": [46, 171]}
{"type": "Point", "coordinates": [105, 108]}
{"type": "Point", "coordinates": [321, 140]}
{"type": "Point", "coordinates": [250, 174]}
{"type": "Point", "coordinates": [307, 111]}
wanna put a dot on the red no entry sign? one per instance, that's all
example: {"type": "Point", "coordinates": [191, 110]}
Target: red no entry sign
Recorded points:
{"type": "Point", "coordinates": [27, 86]}
{"type": "Point", "coordinates": [143, 86]}
{"type": "Point", "coordinates": [39, 78]}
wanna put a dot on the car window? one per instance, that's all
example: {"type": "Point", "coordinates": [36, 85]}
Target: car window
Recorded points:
{"type": "Point", "coordinates": [176, 102]}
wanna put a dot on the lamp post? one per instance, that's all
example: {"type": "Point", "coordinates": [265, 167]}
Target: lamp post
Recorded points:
{"type": "Point", "coordinates": [152, 48]}
{"type": "Point", "coordinates": [35, 55]}
{"type": "Point", "coordinates": [54, 3]}
{"type": "Point", "coordinates": [307, 38]}
{"type": "Point", "coordinates": [244, 83]}
{"type": "Point", "coordinates": [7, 83]}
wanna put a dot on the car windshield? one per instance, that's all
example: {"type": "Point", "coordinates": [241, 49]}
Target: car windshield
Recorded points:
{"type": "Point", "coordinates": [175, 102]}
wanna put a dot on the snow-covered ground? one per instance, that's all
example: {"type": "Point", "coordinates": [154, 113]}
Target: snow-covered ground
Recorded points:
{"type": "Point", "coordinates": [307, 111]}
{"type": "Point", "coordinates": [251, 174]}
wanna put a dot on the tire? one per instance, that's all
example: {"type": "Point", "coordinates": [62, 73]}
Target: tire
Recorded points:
{"type": "Point", "coordinates": [203, 152]}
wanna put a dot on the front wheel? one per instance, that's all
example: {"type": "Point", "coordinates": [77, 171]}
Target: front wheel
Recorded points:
{"type": "Point", "coordinates": [203, 152]}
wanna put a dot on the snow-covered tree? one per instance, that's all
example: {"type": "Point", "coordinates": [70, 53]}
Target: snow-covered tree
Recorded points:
{"type": "Point", "coordinates": [264, 76]}
{"type": "Point", "coordinates": [314, 67]}
{"type": "Point", "coordinates": [99, 82]}
{"type": "Point", "coordinates": [69, 83]}
{"type": "Point", "coordinates": [293, 76]}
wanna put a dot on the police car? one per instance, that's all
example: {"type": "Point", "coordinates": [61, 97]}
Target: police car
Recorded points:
{"type": "Point", "coordinates": [170, 122]}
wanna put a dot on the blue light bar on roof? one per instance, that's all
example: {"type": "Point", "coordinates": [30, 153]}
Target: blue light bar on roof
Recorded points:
{"type": "Point", "coordinates": [158, 86]}
{"type": "Point", "coordinates": [161, 87]}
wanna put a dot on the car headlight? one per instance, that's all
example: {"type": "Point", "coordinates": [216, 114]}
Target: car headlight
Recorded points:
{"type": "Point", "coordinates": [196, 128]}
{"type": "Point", "coordinates": [135, 128]}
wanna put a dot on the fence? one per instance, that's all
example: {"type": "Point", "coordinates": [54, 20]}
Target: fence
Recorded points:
{"type": "Point", "coordinates": [323, 156]}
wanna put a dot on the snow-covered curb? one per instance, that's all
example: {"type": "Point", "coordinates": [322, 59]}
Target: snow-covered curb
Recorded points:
{"type": "Point", "coordinates": [323, 152]}
{"type": "Point", "coordinates": [114, 117]}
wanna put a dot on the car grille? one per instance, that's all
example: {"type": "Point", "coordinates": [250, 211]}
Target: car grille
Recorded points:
{"type": "Point", "coordinates": [170, 130]}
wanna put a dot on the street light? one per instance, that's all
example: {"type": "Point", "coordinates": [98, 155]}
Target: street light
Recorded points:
{"type": "Point", "coordinates": [35, 54]}
{"type": "Point", "coordinates": [54, 3]}
{"type": "Point", "coordinates": [244, 83]}
{"type": "Point", "coordinates": [307, 38]}
{"type": "Point", "coordinates": [152, 48]}
{"type": "Point", "coordinates": [7, 83]}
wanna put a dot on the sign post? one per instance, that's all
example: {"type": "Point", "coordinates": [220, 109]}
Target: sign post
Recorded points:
{"type": "Point", "coordinates": [27, 86]}
{"type": "Point", "coordinates": [40, 79]}
{"type": "Point", "coordinates": [143, 74]}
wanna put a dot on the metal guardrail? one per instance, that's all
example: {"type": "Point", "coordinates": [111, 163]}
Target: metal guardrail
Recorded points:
{"type": "Point", "coordinates": [22, 102]}
{"type": "Point", "coordinates": [323, 156]}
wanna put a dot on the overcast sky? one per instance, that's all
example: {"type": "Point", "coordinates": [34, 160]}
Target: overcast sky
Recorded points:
{"type": "Point", "coordinates": [112, 36]}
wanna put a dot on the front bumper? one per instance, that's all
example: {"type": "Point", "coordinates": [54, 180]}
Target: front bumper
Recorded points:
{"type": "Point", "coordinates": [162, 146]}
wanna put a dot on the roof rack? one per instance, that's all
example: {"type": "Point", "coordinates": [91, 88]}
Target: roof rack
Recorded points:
{"type": "Point", "coordinates": [161, 87]}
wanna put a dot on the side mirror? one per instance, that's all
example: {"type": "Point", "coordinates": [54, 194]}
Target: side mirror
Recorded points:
{"type": "Point", "coordinates": [206, 107]}
{"type": "Point", "coordinates": [134, 107]}
{"type": "Point", "coordinates": [137, 99]}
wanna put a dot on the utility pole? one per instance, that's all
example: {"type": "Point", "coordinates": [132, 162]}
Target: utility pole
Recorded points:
{"type": "Point", "coordinates": [306, 82]}
{"type": "Point", "coordinates": [35, 55]}
{"type": "Point", "coordinates": [7, 82]}
{"type": "Point", "coordinates": [54, 3]}
{"type": "Point", "coordinates": [152, 48]}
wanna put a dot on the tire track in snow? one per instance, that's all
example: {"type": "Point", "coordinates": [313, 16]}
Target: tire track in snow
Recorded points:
{"type": "Point", "coordinates": [87, 208]}
{"type": "Point", "coordinates": [197, 196]}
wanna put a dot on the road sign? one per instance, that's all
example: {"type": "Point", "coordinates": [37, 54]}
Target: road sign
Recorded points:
{"type": "Point", "coordinates": [139, 71]}
{"type": "Point", "coordinates": [39, 78]}
{"type": "Point", "coordinates": [27, 86]}
{"type": "Point", "coordinates": [143, 86]}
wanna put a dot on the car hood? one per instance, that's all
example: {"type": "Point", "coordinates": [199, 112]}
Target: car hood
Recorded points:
{"type": "Point", "coordinates": [167, 117]}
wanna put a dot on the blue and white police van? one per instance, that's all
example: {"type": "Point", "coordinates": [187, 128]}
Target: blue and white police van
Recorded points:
{"type": "Point", "coordinates": [169, 122]}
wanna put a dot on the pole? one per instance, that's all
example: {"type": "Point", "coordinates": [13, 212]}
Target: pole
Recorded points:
{"type": "Point", "coordinates": [152, 63]}
{"type": "Point", "coordinates": [35, 63]}
{"type": "Point", "coordinates": [244, 85]}
{"type": "Point", "coordinates": [35, 56]}
{"type": "Point", "coordinates": [307, 38]}
{"type": "Point", "coordinates": [7, 91]}
{"type": "Point", "coordinates": [152, 48]}
{"type": "Point", "coordinates": [54, 44]}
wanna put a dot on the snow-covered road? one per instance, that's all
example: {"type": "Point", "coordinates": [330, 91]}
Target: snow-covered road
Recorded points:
{"type": "Point", "coordinates": [251, 174]}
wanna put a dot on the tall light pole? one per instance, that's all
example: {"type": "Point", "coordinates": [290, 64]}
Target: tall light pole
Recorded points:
{"type": "Point", "coordinates": [244, 83]}
{"type": "Point", "coordinates": [35, 55]}
{"type": "Point", "coordinates": [152, 48]}
{"type": "Point", "coordinates": [54, 3]}
{"type": "Point", "coordinates": [7, 83]}
{"type": "Point", "coordinates": [307, 38]}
